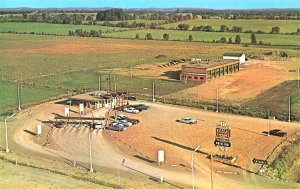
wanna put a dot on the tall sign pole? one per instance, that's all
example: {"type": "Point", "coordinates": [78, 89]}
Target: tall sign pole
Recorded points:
{"type": "Point", "coordinates": [99, 82]}
{"type": "Point", "coordinates": [268, 122]}
{"type": "Point", "coordinates": [289, 109]}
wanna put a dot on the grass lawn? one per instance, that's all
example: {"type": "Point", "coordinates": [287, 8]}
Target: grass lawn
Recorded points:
{"type": "Point", "coordinates": [286, 26]}
{"type": "Point", "coordinates": [60, 29]}
{"type": "Point", "coordinates": [8, 96]}
{"type": "Point", "coordinates": [208, 36]}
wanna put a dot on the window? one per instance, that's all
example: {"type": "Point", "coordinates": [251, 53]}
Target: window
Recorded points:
{"type": "Point", "coordinates": [201, 78]}
{"type": "Point", "coordinates": [195, 77]}
{"type": "Point", "coordinates": [189, 77]}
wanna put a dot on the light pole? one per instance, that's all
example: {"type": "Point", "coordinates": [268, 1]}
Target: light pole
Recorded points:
{"type": "Point", "coordinates": [193, 166]}
{"type": "Point", "coordinates": [289, 109]}
{"type": "Point", "coordinates": [91, 162]}
{"type": "Point", "coordinates": [217, 100]}
{"type": "Point", "coordinates": [268, 122]}
{"type": "Point", "coordinates": [6, 134]}
{"type": "Point", "coordinates": [153, 92]}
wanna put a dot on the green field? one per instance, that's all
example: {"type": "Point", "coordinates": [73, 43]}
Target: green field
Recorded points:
{"type": "Point", "coordinates": [8, 96]}
{"type": "Point", "coordinates": [148, 22]}
{"type": "Point", "coordinates": [59, 29]}
{"type": "Point", "coordinates": [208, 36]}
{"type": "Point", "coordinates": [286, 26]}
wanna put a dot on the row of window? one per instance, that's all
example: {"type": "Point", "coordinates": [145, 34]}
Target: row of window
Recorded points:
{"type": "Point", "coordinates": [195, 77]}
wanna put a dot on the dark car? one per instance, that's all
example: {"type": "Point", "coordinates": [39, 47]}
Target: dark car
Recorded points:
{"type": "Point", "coordinates": [133, 121]}
{"type": "Point", "coordinates": [277, 132]}
{"type": "Point", "coordinates": [131, 98]}
{"type": "Point", "coordinates": [140, 107]}
{"type": "Point", "coordinates": [59, 125]}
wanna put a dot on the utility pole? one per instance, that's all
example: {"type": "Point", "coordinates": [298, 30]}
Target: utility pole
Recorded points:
{"type": "Point", "coordinates": [289, 109]}
{"type": "Point", "coordinates": [211, 171]}
{"type": "Point", "coordinates": [198, 95]}
{"type": "Point", "coordinates": [268, 122]}
{"type": "Point", "coordinates": [6, 133]}
{"type": "Point", "coordinates": [153, 92]}
{"type": "Point", "coordinates": [99, 82]}
{"type": "Point", "coordinates": [298, 77]}
{"type": "Point", "coordinates": [130, 73]}
{"type": "Point", "coordinates": [115, 83]}
{"type": "Point", "coordinates": [193, 175]}
{"type": "Point", "coordinates": [109, 81]}
{"type": "Point", "coordinates": [19, 99]}
{"type": "Point", "coordinates": [91, 162]}
{"type": "Point", "coordinates": [217, 100]}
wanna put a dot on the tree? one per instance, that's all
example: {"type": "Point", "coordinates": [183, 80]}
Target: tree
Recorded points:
{"type": "Point", "coordinates": [183, 26]}
{"type": "Point", "coordinates": [166, 36]}
{"type": "Point", "coordinates": [275, 30]}
{"type": "Point", "coordinates": [237, 39]}
{"type": "Point", "coordinates": [190, 38]}
{"type": "Point", "coordinates": [137, 36]}
{"type": "Point", "coordinates": [223, 40]}
{"type": "Point", "coordinates": [224, 28]}
{"type": "Point", "coordinates": [237, 29]}
{"type": "Point", "coordinates": [230, 40]}
{"type": "Point", "coordinates": [253, 39]}
{"type": "Point", "coordinates": [148, 36]}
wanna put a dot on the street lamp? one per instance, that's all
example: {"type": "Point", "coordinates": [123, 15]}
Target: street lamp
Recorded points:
{"type": "Point", "coordinates": [193, 166]}
{"type": "Point", "coordinates": [6, 134]}
{"type": "Point", "coordinates": [91, 162]}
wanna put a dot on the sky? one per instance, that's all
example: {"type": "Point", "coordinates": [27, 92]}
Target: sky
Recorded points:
{"type": "Point", "coordinates": [214, 4]}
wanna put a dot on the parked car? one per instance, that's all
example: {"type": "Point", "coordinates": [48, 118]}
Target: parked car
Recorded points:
{"type": "Point", "coordinates": [59, 125]}
{"type": "Point", "coordinates": [133, 121]}
{"type": "Point", "coordinates": [125, 122]}
{"type": "Point", "coordinates": [131, 110]}
{"type": "Point", "coordinates": [131, 98]}
{"type": "Point", "coordinates": [277, 132]}
{"type": "Point", "coordinates": [116, 127]}
{"type": "Point", "coordinates": [187, 120]}
{"type": "Point", "coordinates": [140, 107]}
{"type": "Point", "coordinates": [97, 125]}
{"type": "Point", "coordinates": [120, 117]}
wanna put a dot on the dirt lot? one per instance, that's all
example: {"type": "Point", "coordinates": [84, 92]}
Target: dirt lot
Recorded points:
{"type": "Point", "coordinates": [159, 130]}
{"type": "Point", "coordinates": [254, 77]}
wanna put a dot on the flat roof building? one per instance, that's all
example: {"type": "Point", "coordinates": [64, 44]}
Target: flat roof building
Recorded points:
{"type": "Point", "coordinates": [206, 70]}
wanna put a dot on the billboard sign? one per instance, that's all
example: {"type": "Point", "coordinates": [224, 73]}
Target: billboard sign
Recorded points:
{"type": "Point", "coordinates": [161, 156]}
{"type": "Point", "coordinates": [39, 129]}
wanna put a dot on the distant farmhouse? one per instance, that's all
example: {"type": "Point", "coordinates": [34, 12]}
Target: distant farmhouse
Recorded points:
{"type": "Point", "coordinates": [203, 71]}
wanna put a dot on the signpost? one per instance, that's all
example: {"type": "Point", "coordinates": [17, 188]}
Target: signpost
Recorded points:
{"type": "Point", "coordinates": [161, 157]}
{"type": "Point", "coordinates": [39, 130]}
{"type": "Point", "coordinates": [222, 139]}
{"type": "Point", "coordinates": [259, 161]}
{"type": "Point", "coordinates": [81, 109]}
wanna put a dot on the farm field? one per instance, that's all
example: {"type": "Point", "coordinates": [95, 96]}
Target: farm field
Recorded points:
{"type": "Point", "coordinates": [59, 29]}
{"type": "Point", "coordinates": [286, 26]}
{"type": "Point", "coordinates": [208, 36]}
{"type": "Point", "coordinates": [148, 22]}
{"type": "Point", "coordinates": [59, 64]}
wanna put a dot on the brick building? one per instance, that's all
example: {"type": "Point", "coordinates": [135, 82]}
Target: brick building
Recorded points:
{"type": "Point", "coordinates": [205, 71]}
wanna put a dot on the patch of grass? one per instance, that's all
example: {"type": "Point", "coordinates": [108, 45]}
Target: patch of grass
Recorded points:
{"type": "Point", "coordinates": [8, 96]}
{"type": "Point", "coordinates": [60, 29]}
{"type": "Point", "coordinates": [276, 99]}
{"type": "Point", "coordinates": [208, 36]}
{"type": "Point", "coordinates": [286, 26]}
{"type": "Point", "coordinates": [287, 165]}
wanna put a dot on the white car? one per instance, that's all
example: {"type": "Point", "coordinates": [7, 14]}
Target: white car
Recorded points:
{"type": "Point", "coordinates": [131, 110]}
{"type": "Point", "coordinates": [98, 125]}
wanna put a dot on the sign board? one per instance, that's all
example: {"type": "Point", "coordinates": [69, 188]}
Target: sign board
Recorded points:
{"type": "Point", "coordinates": [67, 112]}
{"type": "Point", "coordinates": [81, 108]}
{"type": "Point", "coordinates": [161, 156]}
{"type": "Point", "coordinates": [259, 161]}
{"type": "Point", "coordinates": [223, 131]}
{"type": "Point", "coordinates": [219, 142]}
{"type": "Point", "coordinates": [39, 129]}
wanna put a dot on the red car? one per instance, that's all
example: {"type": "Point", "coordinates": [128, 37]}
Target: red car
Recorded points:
{"type": "Point", "coordinates": [59, 125]}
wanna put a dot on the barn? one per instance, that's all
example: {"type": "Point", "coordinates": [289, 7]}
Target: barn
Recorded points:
{"type": "Point", "coordinates": [206, 70]}
{"type": "Point", "coordinates": [235, 56]}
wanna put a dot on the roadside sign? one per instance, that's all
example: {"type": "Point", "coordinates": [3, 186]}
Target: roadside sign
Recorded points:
{"type": "Point", "coordinates": [219, 142]}
{"type": "Point", "coordinates": [223, 131]}
{"type": "Point", "coordinates": [161, 156]}
{"type": "Point", "coordinates": [67, 112]}
{"type": "Point", "coordinates": [81, 108]}
{"type": "Point", "coordinates": [39, 129]}
{"type": "Point", "coordinates": [259, 161]}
